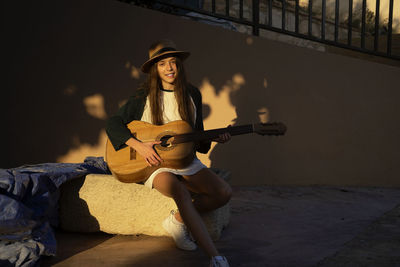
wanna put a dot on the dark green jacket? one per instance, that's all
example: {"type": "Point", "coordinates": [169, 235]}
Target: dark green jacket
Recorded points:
{"type": "Point", "coordinates": [118, 133]}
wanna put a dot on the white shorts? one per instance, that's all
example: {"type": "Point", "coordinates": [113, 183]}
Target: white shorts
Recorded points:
{"type": "Point", "coordinates": [193, 168]}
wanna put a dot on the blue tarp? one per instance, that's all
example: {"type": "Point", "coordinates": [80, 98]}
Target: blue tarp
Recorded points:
{"type": "Point", "coordinates": [28, 204]}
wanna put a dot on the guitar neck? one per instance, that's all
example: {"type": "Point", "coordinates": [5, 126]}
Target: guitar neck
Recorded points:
{"type": "Point", "coordinates": [212, 134]}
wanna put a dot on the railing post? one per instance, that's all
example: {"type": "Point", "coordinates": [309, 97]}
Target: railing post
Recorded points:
{"type": "Point", "coordinates": [241, 9]}
{"type": "Point", "coordinates": [389, 40]}
{"type": "Point", "coordinates": [376, 39]}
{"type": "Point", "coordinates": [297, 17]}
{"type": "Point", "coordinates": [364, 7]}
{"type": "Point", "coordinates": [256, 17]}
{"type": "Point", "coordinates": [323, 19]}
{"type": "Point", "coordinates": [270, 13]}
{"type": "Point", "coordinates": [350, 24]}
{"type": "Point", "coordinates": [310, 18]}
{"type": "Point", "coordinates": [336, 20]}
{"type": "Point", "coordinates": [283, 14]}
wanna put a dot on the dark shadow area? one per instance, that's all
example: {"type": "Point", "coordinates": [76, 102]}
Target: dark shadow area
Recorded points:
{"type": "Point", "coordinates": [377, 245]}
{"type": "Point", "coordinates": [161, 251]}
{"type": "Point", "coordinates": [69, 244]}
{"type": "Point", "coordinates": [78, 230]}
{"type": "Point", "coordinates": [58, 55]}
{"type": "Point", "coordinates": [74, 214]}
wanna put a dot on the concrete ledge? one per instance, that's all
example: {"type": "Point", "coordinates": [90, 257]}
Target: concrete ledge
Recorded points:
{"type": "Point", "coordinates": [102, 203]}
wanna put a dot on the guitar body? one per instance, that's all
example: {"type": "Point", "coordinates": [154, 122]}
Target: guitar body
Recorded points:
{"type": "Point", "coordinates": [176, 148]}
{"type": "Point", "coordinates": [130, 167]}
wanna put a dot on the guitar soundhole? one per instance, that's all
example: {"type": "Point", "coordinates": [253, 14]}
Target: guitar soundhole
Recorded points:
{"type": "Point", "coordinates": [165, 141]}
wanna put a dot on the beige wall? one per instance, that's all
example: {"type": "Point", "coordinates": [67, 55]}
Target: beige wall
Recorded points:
{"type": "Point", "coordinates": [71, 63]}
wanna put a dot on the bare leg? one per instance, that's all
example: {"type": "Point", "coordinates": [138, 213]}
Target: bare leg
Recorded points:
{"type": "Point", "coordinates": [168, 184]}
{"type": "Point", "coordinates": [213, 191]}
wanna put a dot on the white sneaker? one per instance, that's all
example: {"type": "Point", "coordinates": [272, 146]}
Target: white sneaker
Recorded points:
{"type": "Point", "coordinates": [219, 261]}
{"type": "Point", "coordinates": [179, 232]}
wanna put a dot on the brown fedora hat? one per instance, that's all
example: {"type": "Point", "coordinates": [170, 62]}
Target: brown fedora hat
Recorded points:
{"type": "Point", "coordinates": [162, 49]}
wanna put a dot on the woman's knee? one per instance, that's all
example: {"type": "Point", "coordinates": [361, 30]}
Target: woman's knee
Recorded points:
{"type": "Point", "coordinates": [224, 194]}
{"type": "Point", "coordinates": [180, 192]}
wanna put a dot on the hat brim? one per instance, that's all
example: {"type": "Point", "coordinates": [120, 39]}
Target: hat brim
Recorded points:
{"type": "Point", "coordinates": [181, 54]}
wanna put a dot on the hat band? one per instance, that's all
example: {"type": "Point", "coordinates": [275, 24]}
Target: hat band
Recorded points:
{"type": "Point", "coordinates": [162, 50]}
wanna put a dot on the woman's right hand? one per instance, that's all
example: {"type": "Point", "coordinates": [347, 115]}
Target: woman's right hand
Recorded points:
{"type": "Point", "coordinates": [146, 150]}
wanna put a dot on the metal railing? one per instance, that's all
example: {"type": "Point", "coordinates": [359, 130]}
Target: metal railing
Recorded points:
{"type": "Point", "coordinates": [359, 24]}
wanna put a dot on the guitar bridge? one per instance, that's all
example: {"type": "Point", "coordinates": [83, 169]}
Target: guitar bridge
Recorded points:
{"type": "Point", "coordinates": [132, 154]}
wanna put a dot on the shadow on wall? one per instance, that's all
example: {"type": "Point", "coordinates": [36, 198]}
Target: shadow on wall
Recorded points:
{"type": "Point", "coordinates": [60, 58]}
{"type": "Point", "coordinates": [220, 112]}
{"type": "Point", "coordinates": [95, 107]}
{"type": "Point", "coordinates": [239, 100]}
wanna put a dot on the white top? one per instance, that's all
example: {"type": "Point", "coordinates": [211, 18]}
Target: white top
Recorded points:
{"type": "Point", "coordinates": [170, 113]}
{"type": "Point", "coordinates": [170, 108]}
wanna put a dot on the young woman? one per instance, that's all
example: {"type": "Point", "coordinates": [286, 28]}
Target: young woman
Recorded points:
{"type": "Point", "coordinates": [167, 96]}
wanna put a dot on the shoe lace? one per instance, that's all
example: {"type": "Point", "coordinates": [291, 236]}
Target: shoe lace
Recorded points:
{"type": "Point", "coordinates": [218, 263]}
{"type": "Point", "coordinates": [186, 234]}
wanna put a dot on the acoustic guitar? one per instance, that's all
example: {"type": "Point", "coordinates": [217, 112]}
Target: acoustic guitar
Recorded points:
{"type": "Point", "coordinates": [177, 147]}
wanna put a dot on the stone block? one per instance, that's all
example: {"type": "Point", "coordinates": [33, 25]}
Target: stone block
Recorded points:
{"type": "Point", "coordinates": [102, 203]}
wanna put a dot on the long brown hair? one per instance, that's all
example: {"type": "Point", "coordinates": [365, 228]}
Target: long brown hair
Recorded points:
{"type": "Point", "coordinates": [153, 85]}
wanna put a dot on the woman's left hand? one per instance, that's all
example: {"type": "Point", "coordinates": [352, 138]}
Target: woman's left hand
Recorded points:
{"type": "Point", "coordinates": [223, 138]}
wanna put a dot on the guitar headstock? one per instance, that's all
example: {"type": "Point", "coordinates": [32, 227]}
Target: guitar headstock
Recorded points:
{"type": "Point", "coordinates": [273, 128]}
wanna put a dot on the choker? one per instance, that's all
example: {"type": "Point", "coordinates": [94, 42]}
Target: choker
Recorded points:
{"type": "Point", "coordinates": [165, 90]}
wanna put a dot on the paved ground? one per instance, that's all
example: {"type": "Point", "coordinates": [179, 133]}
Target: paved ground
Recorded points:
{"type": "Point", "coordinates": [378, 245]}
{"type": "Point", "coordinates": [270, 226]}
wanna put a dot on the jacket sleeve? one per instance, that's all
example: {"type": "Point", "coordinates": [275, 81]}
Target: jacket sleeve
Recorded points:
{"type": "Point", "coordinates": [202, 146]}
{"type": "Point", "coordinates": [116, 128]}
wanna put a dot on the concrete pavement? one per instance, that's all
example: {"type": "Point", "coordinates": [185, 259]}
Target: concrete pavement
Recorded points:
{"type": "Point", "coordinates": [270, 226]}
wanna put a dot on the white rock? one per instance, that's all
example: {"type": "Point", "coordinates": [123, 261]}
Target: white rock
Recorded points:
{"type": "Point", "coordinates": [102, 203]}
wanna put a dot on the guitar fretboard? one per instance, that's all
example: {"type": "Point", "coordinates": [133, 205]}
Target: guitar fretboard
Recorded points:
{"type": "Point", "coordinates": [211, 134]}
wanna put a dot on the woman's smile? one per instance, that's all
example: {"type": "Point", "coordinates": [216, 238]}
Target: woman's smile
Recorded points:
{"type": "Point", "coordinates": [167, 72]}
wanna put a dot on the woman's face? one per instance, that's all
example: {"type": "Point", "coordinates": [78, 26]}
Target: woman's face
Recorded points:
{"type": "Point", "coordinates": [167, 71]}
